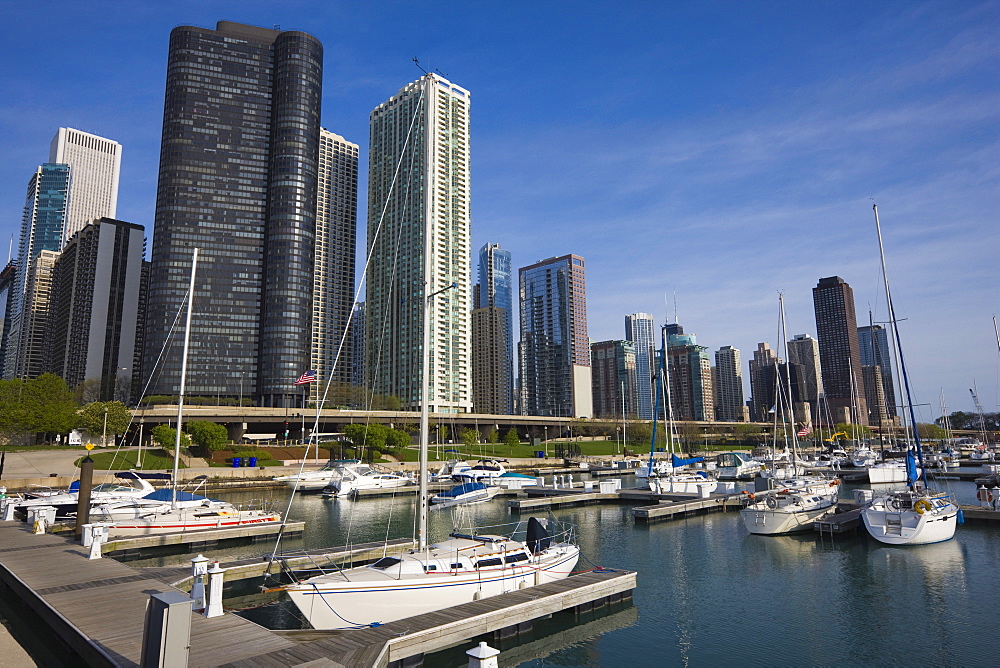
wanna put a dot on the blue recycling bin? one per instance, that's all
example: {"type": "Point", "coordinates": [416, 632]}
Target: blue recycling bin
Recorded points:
{"type": "Point", "coordinates": [236, 462]}
{"type": "Point", "coordinates": [539, 454]}
{"type": "Point", "coordinates": [253, 462]}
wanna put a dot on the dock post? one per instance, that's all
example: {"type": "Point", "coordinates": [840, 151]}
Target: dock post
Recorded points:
{"type": "Point", "coordinates": [483, 656]}
{"type": "Point", "coordinates": [93, 536]}
{"type": "Point", "coordinates": [199, 569]}
{"type": "Point", "coordinates": [8, 509]}
{"type": "Point", "coordinates": [166, 637]}
{"type": "Point", "coordinates": [213, 601]}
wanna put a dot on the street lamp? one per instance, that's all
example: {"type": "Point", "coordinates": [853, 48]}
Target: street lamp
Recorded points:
{"type": "Point", "coordinates": [104, 437]}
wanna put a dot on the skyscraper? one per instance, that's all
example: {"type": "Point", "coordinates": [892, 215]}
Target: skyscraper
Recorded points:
{"type": "Point", "coordinates": [729, 406]}
{"type": "Point", "coordinates": [554, 350]}
{"type": "Point", "coordinates": [94, 316]}
{"type": "Point", "coordinates": [839, 352]}
{"type": "Point", "coordinates": [419, 238]}
{"type": "Point", "coordinates": [803, 350]}
{"type": "Point", "coordinates": [492, 334]}
{"type": "Point", "coordinates": [42, 225]}
{"type": "Point", "coordinates": [763, 379]}
{"type": "Point", "coordinates": [690, 371]}
{"type": "Point", "coordinates": [873, 343]}
{"type": "Point", "coordinates": [613, 378]}
{"type": "Point", "coordinates": [333, 286]}
{"type": "Point", "coordinates": [238, 180]}
{"type": "Point", "coordinates": [639, 330]}
{"type": "Point", "coordinates": [94, 163]}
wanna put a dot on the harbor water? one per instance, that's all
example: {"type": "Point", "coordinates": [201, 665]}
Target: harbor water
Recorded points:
{"type": "Point", "coordinates": [709, 593]}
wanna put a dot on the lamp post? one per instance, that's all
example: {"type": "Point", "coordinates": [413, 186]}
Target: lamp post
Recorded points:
{"type": "Point", "coordinates": [104, 436]}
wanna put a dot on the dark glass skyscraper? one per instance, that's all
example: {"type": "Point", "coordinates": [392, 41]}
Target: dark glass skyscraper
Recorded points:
{"type": "Point", "coordinates": [238, 179]}
{"type": "Point", "coordinates": [839, 352]}
{"type": "Point", "coordinates": [493, 334]}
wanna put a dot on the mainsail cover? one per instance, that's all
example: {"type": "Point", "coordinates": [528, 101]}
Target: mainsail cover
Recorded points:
{"type": "Point", "coordinates": [678, 462]}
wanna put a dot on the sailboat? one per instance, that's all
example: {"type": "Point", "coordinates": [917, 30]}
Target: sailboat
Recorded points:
{"type": "Point", "coordinates": [468, 566]}
{"type": "Point", "coordinates": [918, 515]}
{"type": "Point", "coordinates": [794, 502]}
{"type": "Point", "coordinates": [184, 512]}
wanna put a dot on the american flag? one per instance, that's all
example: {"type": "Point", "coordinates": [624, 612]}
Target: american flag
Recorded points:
{"type": "Point", "coordinates": [802, 432]}
{"type": "Point", "coordinates": [307, 377]}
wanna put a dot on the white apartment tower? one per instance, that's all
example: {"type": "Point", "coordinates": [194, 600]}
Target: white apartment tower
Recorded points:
{"type": "Point", "coordinates": [95, 163]}
{"type": "Point", "coordinates": [333, 262]}
{"type": "Point", "coordinates": [419, 237]}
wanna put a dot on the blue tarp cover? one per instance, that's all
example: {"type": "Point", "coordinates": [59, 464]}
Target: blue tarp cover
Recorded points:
{"type": "Point", "coordinates": [168, 495]}
{"type": "Point", "coordinates": [458, 490]}
{"type": "Point", "coordinates": [677, 461]}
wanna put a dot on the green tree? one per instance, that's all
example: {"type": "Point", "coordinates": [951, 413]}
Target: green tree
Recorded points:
{"type": "Point", "coordinates": [12, 415]}
{"type": "Point", "coordinates": [92, 418]}
{"type": "Point", "coordinates": [493, 436]}
{"type": "Point", "coordinates": [367, 435]}
{"type": "Point", "coordinates": [208, 435]}
{"type": "Point", "coordinates": [641, 433]}
{"type": "Point", "coordinates": [748, 433]}
{"type": "Point", "coordinates": [165, 436]}
{"type": "Point", "coordinates": [931, 432]}
{"type": "Point", "coordinates": [470, 436]}
{"type": "Point", "coordinates": [397, 438]}
{"type": "Point", "coordinates": [511, 438]}
{"type": "Point", "coordinates": [49, 406]}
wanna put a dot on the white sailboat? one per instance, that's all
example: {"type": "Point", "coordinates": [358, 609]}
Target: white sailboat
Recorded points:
{"type": "Point", "coordinates": [793, 504]}
{"type": "Point", "coordinates": [918, 515]}
{"type": "Point", "coordinates": [466, 566]}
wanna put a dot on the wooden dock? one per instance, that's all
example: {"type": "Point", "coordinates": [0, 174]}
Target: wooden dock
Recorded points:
{"type": "Point", "coordinates": [97, 608]}
{"type": "Point", "coordinates": [133, 546]}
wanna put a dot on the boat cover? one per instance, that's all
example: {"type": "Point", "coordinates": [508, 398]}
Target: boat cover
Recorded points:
{"type": "Point", "coordinates": [459, 490]}
{"type": "Point", "coordinates": [677, 461]}
{"type": "Point", "coordinates": [167, 495]}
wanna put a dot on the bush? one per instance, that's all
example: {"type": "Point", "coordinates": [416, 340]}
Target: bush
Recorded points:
{"type": "Point", "coordinates": [208, 435]}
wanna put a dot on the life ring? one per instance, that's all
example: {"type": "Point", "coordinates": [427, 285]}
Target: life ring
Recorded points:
{"type": "Point", "coordinates": [984, 495]}
{"type": "Point", "coordinates": [835, 482]}
{"type": "Point", "coordinates": [922, 506]}
{"type": "Point", "coordinates": [771, 502]}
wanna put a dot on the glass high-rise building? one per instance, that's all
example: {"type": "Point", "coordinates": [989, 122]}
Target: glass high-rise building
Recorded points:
{"type": "Point", "coordinates": [613, 379]}
{"type": "Point", "coordinates": [333, 290]}
{"type": "Point", "coordinates": [238, 180]}
{"type": "Point", "coordinates": [419, 237]}
{"type": "Point", "coordinates": [493, 334]}
{"type": "Point", "coordinates": [639, 330]}
{"type": "Point", "coordinates": [690, 371]}
{"type": "Point", "coordinates": [554, 350]}
{"type": "Point", "coordinates": [42, 227]}
{"type": "Point", "coordinates": [873, 342]}
{"type": "Point", "coordinates": [839, 352]}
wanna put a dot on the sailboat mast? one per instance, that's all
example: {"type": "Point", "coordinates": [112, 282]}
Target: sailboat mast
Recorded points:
{"type": "Point", "coordinates": [899, 350]}
{"type": "Point", "coordinates": [183, 381]}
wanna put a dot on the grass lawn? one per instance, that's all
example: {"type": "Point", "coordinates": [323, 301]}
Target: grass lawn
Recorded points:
{"type": "Point", "coordinates": [152, 460]}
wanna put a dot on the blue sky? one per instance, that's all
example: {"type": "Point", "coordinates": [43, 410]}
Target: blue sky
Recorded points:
{"type": "Point", "coordinates": [719, 151]}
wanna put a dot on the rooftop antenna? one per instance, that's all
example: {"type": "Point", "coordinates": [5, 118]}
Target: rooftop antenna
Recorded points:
{"type": "Point", "coordinates": [10, 251]}
{"type": "Point", "coordinates": [675, 307]}
{"type": "Point", "coordinates": [441, 73]}
{"type": "Point", "coordinates": [417, 63]}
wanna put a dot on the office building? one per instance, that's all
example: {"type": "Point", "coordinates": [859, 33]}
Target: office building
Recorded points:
{"type": "Point", "coordinates": [419, 237]}
{"type": "Point", "coordinates": [690, 373]}
{"type": "Point", "coordinates": [803, 350]}
{"type": "Point", "coordinates": [728, 385]}
{"type": "Point", "coordinates": [873, 343]}
{"type": "Point", "coordinates": [839, 351]}
{"type": "Point", "coordinates": [333, 286]}
{"type": "Point", "coordinates": [94, 164]}
{"type": "Point", "coordinates": [763, 383]}
{"type": "Point", "coordinates": [42, 225]}
{"type": "Point", "coordinates": [613, 370]}
{"type": "Point", "coordinates": [238, 180]}
{"type": "Point", "coordinates": [639, 330]}
{"type": "Point", "coordinates": [493, 334]}
{"type": "Point", "coordinates": [554, 350]}
{"type": "Point", "coordinates": [94, 309]}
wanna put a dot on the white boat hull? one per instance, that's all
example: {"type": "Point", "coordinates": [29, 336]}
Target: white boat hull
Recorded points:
{"type": "Point", "coordinates": [908, 527]}
{"type": "Point", "coordinates": [768, 522]}
{"type": "Point", "coordinates": [182, 521]}
{"type": "Point", "coordinates": [387, 601]}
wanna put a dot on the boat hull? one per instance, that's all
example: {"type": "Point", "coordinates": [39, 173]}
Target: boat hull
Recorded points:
{"type": "Point", "coordinates": [183, 522]}
{"type": "Point", "coordinates": [912, 528]}
{"type": "Point", "coordinates": [326, 605]}
{"type": "Point", "coordinates": [768, 522]}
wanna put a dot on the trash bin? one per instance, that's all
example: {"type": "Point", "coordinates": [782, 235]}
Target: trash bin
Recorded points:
{"type": "Point", "coordinates": [253, 462]}
{"type": "Point", "coordinates": [236, 462]}
{"type": "Point", "coordinates": [540, 454]}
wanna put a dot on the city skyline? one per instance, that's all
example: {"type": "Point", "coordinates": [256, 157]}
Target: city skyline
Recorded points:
{"type": "Point", "coordinates": [750, 137]}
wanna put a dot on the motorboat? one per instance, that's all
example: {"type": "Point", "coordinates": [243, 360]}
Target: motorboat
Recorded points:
{"type": "Point", "coordinates": [463, 568]}
{"type": "Point", "coordinates": [466, 493]}
{"type": "Point", "coordinates": [169, 518]}
{"type": "Point", "coordinates": [66, 503]}
{"type": "Point", "coordinates": [312, 481]}
{"type": "Point", "coordinates": [736, 466]}
{"type": "Point", "coordinates": [512, 480]}
{"type": "Point", "coordinates": [351, 476]}
{"type": "Point", "coordinates": [487, 469]}
{"type": "Point", "coordinates": [863, 457]}
{"type": "Point", "coordinates": [793, 505]}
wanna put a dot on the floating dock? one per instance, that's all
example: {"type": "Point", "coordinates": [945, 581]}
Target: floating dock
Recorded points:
{"type": "Point", "coordinates": [133, 546]}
